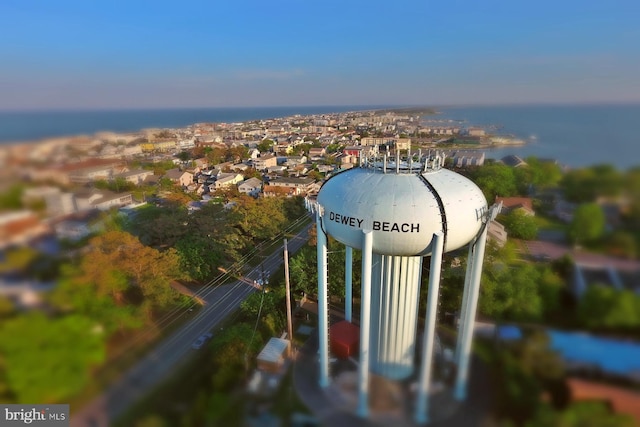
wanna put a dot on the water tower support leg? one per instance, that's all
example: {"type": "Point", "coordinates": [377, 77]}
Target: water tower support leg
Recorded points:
{"type": "Point", "coordinates": [465, 302]}
{"type": "Point", "coordinates": [365, 325]}
{"type": "Point", "coordinates": [323, 307]}
{"type": "Point", "coordinates": [460, 392]}
{"type": "Point", "coordinates": [422, 401]}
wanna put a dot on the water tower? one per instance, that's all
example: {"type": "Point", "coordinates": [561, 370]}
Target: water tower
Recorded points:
{"type": "Point", "coordinates": [398, 211]}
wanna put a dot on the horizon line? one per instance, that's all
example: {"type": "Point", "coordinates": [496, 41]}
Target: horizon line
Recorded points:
{"type": "Point", "coordinates": [357, 107]}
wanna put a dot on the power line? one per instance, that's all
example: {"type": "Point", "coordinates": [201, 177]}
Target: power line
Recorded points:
{"type": "Point", "coordinates": [174, 315]}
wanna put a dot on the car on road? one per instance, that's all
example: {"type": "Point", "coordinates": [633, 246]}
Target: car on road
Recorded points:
{"type": "Point", "coordinates": [201, 341]}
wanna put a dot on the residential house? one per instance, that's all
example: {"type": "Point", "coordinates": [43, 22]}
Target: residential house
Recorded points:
{"type": "Point", "coordinates": [87, 199]}
{"type": "Point", "coordinates": [326, 168]}
{"type": "Point", "coordinates": [161, 146]}
{"type": "Point", "coordinates": [56, 202]}
{"type": "Point", "coordinates": [316, 153]}
{"type": "Point", "coordinates": [476, 132]}
{"type": "Point", "coordinates": [222, 166]}
{"type": "Point", "coordinates": [513, 161]}
{"type": "Point", "coordinates": [136, 176]}
{"type": "Point", "coordinates": [200, 164]}
{"type": "Point", "coordinates": [274, 191]}
{"type": "Point", "coordinates": [510, 204]}
{"type": "Point", "coordinates": [254, 153]}
{"type": "Point", "coordinates": [20, 227]}
{"type": "Point", "coordinates": [91, 174]}
{"type": "Point", "coordinates": [347, 159]}
{"type": "Point", "coordinates": [240, 167]}
{"type": "Point", "coordinates": [467, 158]}
{"type": "Point", "coordinates": [276, 170]}
{"type": "Point", "coordinates": [403, 143]}
{"type": "Point", "coordinates": [177, 176]}
{"type": "Point", "coordinates": [59, 204]}
{"type": "Point", "coordinates": [265, 161]}
{"type": "Point", "coordinates": [295, 160]}
{"type": "Point", "coordinates": [80, 172]}
{"type": "Point", "coordinates": [227, 179]}
{"type": "Point", "coordinates": [77, 226]}
{"type": "Point", "coordinates": [497, 233]}
{"type": "Point", "coordinates": [251, 186]}
{"type": "Point", "coordinates": [386, 140]}
{"type": "Point", "coordinates": [152, 180]}
{"type": "Point", "coordinates": [300, 185]}
{"type": "Point", "coordinates": [359, 152]}
{"type": "Point", "coordinates": [298, 170]}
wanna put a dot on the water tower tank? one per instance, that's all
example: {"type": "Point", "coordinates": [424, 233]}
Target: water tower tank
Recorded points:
{"type": "Point", "coordinates": [402, 209]}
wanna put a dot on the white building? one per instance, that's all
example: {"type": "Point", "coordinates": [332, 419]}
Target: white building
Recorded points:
{"type": "Point", "coordinates": [251, 186]}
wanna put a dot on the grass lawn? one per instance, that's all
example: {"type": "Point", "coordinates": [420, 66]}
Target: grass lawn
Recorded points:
{"type": "Point", "coordinates": [548, 223]}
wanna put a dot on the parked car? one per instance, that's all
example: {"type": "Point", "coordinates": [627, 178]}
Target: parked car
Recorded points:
{"type": "Point", "coordinates": [201, 341]}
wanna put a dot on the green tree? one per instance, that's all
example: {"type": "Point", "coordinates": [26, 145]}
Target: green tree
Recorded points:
{"type": "Point", "coordinates": [585, 185]}
{"type": "Point", "coordinates": [294, 207]}
{"type": "Point", "coordinates": [265, 145]}
{"type": "Point", "coordinates": [587, 225]}
{"type": "Point", "coordinates": [511, 293]}
{"type": "Point", "coordinates": [237, 153]}
{"type": "Point", "coordinates": [183, 156]}
{"type": "Point", "coordinates": [119, 184]}
{"type": "Point", "coordinates": [303, 271]}
{"type": "Point", "coordinates": [122, 267]}
{"type": "Point", "coordinates": [551, 288]}
{"type": "Point", "coordinates": [215, 155]}
{"type": "Point", "coordinates": [258, 219]}
{"type": "Point", "coordinates": [603, 307]}
{"type": "Point", "coordinates": [233, 350]}
{"type": "Point", "coordinates": [260, 303]}
{"type": "Point", "coordinates": [609, 181]}
{"type": "Point", "coordinates": [495, 179]}
{"type": "Point", "coordinates": [517, 392]}
{"type": "Point", "coordinates": [315, 175]}
{"type": "Point", "coordinates": [200, 255]}
{"type": "Point", "coordinates": [161, 167]}
{"type": "Point", "coordinates": [523, 370]}
{"type": "Point", "coordinates": [160, 227]}
{"type": "Point", "coordinates": [75, 295]}
{"type": "Point", "coordinates": [333, 148]}
{"type": "Point", "coordinates": [578, 185]}
{"type": "Point", "coordinates": [11, 199]}
{"type": "Point", "coordinates": [49, 359]}
{"type": "Point", "coordinates": [537, 174]}
{"type": "Point", "coordinates": [520, 225]}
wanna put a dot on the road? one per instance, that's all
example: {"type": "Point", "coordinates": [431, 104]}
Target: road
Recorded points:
{"type": "Point", "coordinates": [165, 357]}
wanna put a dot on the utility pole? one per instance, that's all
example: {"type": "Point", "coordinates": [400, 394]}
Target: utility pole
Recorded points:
{"type": "Point", "coordinates": [288, 293]}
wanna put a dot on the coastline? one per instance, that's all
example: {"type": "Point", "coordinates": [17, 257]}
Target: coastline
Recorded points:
{"type": "Point", "coordinates": [572, 135]}
{"type": "Point", "coordinates": [17, 127]}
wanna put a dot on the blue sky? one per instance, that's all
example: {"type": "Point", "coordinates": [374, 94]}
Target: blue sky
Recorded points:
{"type": "Point", "coordinates": [138, 54]}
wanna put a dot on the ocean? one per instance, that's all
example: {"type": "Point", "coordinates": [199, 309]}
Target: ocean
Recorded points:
{"type": "Point", "coordinates": [35, 125]}
{"type": "Point", "coordinates": [575, 135]}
